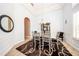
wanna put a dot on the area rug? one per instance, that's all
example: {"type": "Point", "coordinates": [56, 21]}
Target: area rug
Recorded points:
{"type": "Point", "coordinates": [28, 49]}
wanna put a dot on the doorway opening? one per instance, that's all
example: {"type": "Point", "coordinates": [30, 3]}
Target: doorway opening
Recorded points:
{"type": "Point", "coordinates": [26, 28]}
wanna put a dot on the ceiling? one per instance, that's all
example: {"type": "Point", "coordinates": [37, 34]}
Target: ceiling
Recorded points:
{"type": "Point", "coordinates": [38, 8]}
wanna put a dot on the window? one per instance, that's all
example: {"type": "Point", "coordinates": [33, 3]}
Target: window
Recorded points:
{"type": "Point", "coordinates": [76, 25]}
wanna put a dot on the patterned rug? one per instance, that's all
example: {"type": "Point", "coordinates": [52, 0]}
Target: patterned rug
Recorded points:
{"type": "Point", "coordinates": [28, 49]}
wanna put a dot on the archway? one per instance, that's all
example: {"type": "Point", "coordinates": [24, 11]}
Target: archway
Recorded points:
{"type": "Point", "coordinates": [26, 28]}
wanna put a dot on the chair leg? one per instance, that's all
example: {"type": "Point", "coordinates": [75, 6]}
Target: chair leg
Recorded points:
{"type": "Point", "coordinates": [39, 48]}
{"type": "Point", "coordinates": [42, 43]}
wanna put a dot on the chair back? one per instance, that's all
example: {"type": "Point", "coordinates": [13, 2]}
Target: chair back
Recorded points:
{"type": "Point", "coordinates": [60, 35]}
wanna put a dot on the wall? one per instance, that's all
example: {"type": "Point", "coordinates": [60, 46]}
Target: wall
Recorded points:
{"type": "Point", "coordinates": [6, 38]}
{"type": "Point", "coordinates": [54, 17]}
{"type": "Point", "coordinates": [17, 12]}
{"type": "Point", "coordinates": [76, 8]}
{"type": "Point", "coordinates": [20, 13]}
{"type": "Point", "coordinates": [76, 40]}
{"type": "Point", "coordinates": [68, 28]}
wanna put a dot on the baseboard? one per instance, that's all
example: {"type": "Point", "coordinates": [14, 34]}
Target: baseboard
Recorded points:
{"type": "Point", "coordinates": [72, 45]}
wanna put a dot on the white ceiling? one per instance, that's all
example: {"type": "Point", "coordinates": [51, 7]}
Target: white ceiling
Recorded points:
{"type": "Point", "coordinates": [38, 8]}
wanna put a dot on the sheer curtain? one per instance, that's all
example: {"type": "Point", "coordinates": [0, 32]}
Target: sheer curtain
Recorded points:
{"type": "Point", "coordinates": [76, 25]}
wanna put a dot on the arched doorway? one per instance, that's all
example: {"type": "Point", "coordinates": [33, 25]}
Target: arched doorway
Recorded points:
{"type": "Point", "coordinates": [26, 28]}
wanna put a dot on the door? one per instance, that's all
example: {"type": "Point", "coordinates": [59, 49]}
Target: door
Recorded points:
{"type": "Point", "coordinates": [26, 28]}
